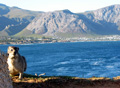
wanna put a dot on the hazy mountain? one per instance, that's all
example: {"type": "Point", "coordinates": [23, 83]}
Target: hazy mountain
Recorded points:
{"type": "Point", "coordinates": [58, 23]}
{"type": "Point", "coordinates": [104, 21]}
{"type": "Point", "coordinates": [13, 19]}
{"type": "Point", "coordinates": [107, 20]}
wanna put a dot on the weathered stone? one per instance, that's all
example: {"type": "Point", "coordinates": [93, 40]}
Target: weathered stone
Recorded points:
{"type": "Point", "coordinates": [5, 80]}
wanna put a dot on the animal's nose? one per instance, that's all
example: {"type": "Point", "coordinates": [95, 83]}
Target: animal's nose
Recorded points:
{"type": "Point", "coordinates": [14, 53]}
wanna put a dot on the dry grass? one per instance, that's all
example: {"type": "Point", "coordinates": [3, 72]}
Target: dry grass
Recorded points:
{"type": "Point", "coordinates": [30, 81]}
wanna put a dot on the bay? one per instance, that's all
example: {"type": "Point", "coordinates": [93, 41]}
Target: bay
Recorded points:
{"type": "Point", "coordinates": [80, 59]}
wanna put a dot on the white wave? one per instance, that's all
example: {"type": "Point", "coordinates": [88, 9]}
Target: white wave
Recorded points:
{"type": "Point", "coordinates": [109, 67]}
{"type": "Point", "coordinates": [63, 63]}
{"type": "Point", "coordinates": [96, 62]}
{"type": "Point", "coordinates": [61, 69]}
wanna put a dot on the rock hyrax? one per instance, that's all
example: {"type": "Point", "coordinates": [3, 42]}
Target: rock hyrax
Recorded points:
{"type": "Point", "coordinates": [16, 63]}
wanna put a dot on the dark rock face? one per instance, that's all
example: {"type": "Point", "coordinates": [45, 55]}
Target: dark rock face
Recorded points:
{"type": "Point", "coordinates": [13, 19]}
{"type": "Point", "coordinates": [4, 9]}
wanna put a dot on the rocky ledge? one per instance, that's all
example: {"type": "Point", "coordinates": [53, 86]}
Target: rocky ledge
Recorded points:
{"type": "Point", "coordinates": [66, 82]}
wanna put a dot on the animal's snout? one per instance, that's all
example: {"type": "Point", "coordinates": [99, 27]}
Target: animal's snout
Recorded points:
{"type": "Point", "coordinates": [15, 53]}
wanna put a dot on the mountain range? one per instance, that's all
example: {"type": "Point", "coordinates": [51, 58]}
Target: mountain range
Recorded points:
{"type": "Point", "coordinates": [15, 21]}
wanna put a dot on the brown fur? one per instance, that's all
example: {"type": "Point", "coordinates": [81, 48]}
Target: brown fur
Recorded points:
{"type": "Point", "coordinates": [16, 63]}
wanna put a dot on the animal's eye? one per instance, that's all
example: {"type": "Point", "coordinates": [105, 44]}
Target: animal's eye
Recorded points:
{"type": "Point", "coordinates": [11, 49]}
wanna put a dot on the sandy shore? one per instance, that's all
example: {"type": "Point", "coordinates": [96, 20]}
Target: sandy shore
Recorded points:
{"type": "Point", "coordinates": [66, 82]}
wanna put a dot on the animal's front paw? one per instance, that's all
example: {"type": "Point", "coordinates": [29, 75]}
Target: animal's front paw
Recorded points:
{"type": "Point", "coordinates": [20, 76]}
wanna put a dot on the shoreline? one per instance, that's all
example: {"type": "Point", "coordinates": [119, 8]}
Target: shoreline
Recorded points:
{"type": "Point", "coordinates": [42, 40]}
{"type": "Point", "coordinates": [29, 43]}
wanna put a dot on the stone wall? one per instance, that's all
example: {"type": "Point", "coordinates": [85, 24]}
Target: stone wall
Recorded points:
{"type": "Point", "coordinates": [5, 79]}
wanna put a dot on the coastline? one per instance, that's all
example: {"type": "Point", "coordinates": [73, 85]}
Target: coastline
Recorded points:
{"type": "Point", "coordinates": [61, 41]}
{"type": "Point", "coordinates": [42, 40]}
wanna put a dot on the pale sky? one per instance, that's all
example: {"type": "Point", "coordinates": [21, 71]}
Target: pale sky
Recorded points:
{"type": "Point", "coordinates": [52, 5]}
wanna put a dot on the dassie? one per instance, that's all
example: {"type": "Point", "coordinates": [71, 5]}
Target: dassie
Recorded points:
{"type": "Point", "coordinates": [16, 63]}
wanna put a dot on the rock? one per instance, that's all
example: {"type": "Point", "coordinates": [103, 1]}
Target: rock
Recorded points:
{"type": "Point", "coordinates": [5, 80]}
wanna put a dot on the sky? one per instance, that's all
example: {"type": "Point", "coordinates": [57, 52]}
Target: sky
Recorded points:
{"type": "Point", "coordinates": [75, 6]}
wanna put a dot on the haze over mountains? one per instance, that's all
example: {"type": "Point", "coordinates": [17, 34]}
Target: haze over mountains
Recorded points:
{"type": "Point", "coordinates": [13, 19]}
{"type": "Point", "coordinates": [20, 22]}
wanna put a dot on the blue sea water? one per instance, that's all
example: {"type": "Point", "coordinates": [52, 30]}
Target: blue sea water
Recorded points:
{"type": "Point", "coordinates": [81, 59]}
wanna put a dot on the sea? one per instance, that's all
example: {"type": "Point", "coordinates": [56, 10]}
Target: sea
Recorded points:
{"type": "Point", "coordinates": [77, 59]}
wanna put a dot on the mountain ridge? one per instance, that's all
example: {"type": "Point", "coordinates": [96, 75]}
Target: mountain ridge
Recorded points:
{"type": "Point", "coordinates": [14, 19]}
{"type": "Point", "coordinates": [103, 21]}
